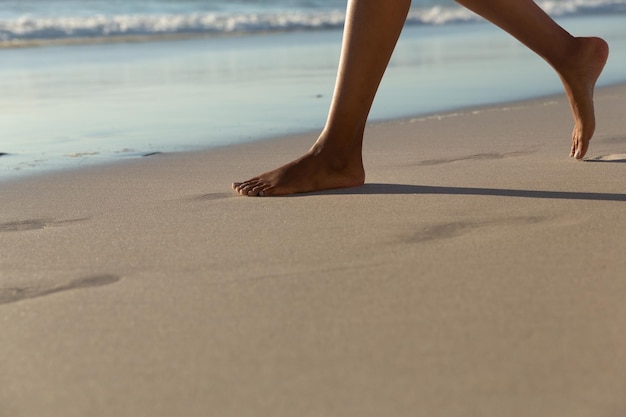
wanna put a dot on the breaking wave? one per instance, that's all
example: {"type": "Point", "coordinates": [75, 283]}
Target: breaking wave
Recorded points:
{"type": "Point", "coordinates": [28, 29]}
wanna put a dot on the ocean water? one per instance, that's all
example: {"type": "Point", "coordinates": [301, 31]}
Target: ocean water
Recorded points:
{"type": "Point", "coordinates": [90, 81]}
{"type": "Point", "coordinates": [41, 21]}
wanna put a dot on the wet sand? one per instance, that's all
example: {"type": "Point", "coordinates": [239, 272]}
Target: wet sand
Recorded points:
{"type": "Point", "coordinates": [480, 271]}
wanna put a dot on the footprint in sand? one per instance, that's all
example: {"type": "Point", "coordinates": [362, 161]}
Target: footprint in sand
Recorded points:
{"type": "Point", "coordinates": [477, 157]}
{"type": "Point", "coordinates": [34, 224]}
{"type": "Point", "coordinates": [456, 229]}
{"type": "Point", "coordinates": [213, 196]}
{"type": "Point", "coordinates": [15, 294]}
{"type": "Point", "coordinates": [616, 157]}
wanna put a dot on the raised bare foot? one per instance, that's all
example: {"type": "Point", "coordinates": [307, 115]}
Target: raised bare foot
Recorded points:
{"type": "Point", "coordinates": [317, 170]}
{"type": "Point", "coordinates": [579, 78]}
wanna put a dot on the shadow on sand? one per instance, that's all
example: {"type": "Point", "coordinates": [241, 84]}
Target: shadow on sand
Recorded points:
{"type": "Point", "coordinates": [426, 190]}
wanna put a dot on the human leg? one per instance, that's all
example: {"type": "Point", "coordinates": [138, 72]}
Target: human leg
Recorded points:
{"type": "Point", "coordinates": [370, 35]}
{"type": "Point", "coordinates": [578, 61]}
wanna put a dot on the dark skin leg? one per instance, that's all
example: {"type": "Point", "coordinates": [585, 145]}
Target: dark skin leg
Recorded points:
{"type": "Point", "coordinates": [578, 61]}
{"type": "Point", "coordinates": [371, 32]}
{"type": "Point", "coordinates": [370, 35]}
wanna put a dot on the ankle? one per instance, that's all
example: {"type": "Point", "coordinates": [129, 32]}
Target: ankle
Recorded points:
{"type": "Point", "coordinates": [583, 52]}
{"type": "Point", "coordinates": [338, 147]}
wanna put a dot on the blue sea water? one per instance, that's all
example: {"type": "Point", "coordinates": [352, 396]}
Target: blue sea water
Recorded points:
{"type": "Point", "coordinates": [86, 81]}
{"type": "Point", "coordinates": [40, 21]}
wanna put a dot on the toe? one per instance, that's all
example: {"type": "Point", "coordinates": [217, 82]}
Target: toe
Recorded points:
{"type": "Point", "coordinates": [582, 150]}
{"type": "Point", "coordinates": [255, 191]}
{"type": "Point", "coordinates": [262, 190]}
{"type": "Point", "coordinates": [244, 187]}
{"type": "Point", "coordinates": [258, 190]}
{"type": "Point", "coordinates": [579, 149]}
{"type": "Point", "coordinates": [578, 145]}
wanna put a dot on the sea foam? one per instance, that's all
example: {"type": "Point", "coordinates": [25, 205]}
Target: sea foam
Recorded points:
{"type": "Point", "coordinates": [34, 29]}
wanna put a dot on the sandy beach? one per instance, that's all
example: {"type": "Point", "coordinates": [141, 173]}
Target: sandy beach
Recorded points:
{"type": "Point", "coordinates": [479, 272]}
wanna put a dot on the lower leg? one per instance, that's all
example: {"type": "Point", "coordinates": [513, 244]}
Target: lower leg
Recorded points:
{"type": "Point", "coordinates": [371, 32]}
{"type": "Point", "coordinates": [578, 61]}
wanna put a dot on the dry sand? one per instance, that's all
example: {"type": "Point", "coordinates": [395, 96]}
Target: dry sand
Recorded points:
{"type": "Point", "coordinates": [480, 272]}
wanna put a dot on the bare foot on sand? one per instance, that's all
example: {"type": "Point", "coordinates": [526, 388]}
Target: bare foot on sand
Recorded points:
{"type": "Point", "coordinates": [579, 78]}
{"type": "Point", "coordinates": [336, 163]}
{"type": "Point", "coordinates": [319, 169]}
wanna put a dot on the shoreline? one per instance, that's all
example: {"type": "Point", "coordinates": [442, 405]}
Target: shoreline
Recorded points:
{"type": "Point", "coordinates": [300, 138]}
